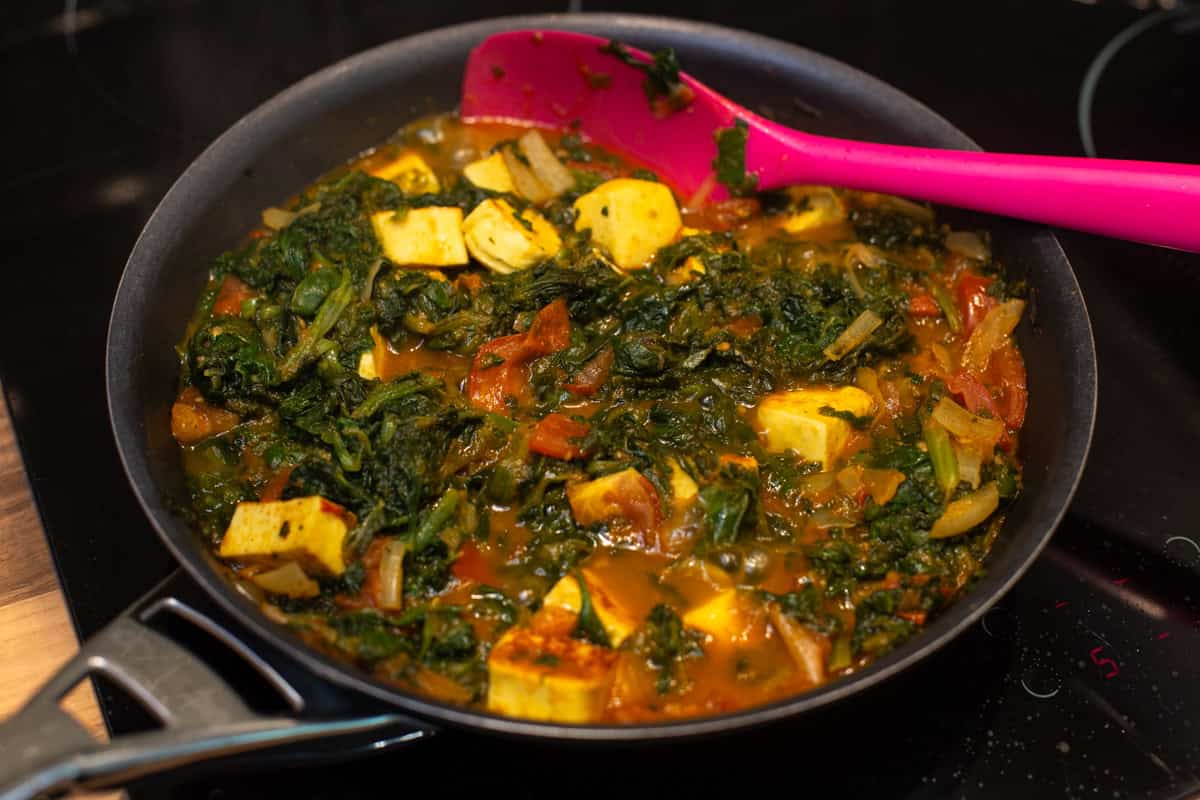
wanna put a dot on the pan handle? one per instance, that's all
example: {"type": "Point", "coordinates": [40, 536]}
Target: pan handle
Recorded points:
{"type": "Point", "coordinates": [44, 750]}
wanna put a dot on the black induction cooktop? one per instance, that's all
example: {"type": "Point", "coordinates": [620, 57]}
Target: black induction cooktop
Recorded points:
{"type": "Point", "coordinates": [1082, 682]}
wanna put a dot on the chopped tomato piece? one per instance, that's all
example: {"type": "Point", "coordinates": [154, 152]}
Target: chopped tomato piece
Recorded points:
{"type": "Point", "coordinates": [973, 300]}
{"type": "Point", "coordinates": [593, 375]}
{"type": "Point", "coordinates": [915, 617]}
{"type": "Point", "coordinates": [472, 565]}
{"type": "Point", "coordinates": [551, 329]}
{"type": "Point", "coordinates": [230, 296]}
{"type": "Point", "coordinates": [923, 305]}
{"type": "Point", "coordinates": [974, 394]}
{"type": "Point", "coordinates": [1009, 369]}
{"type": "Point", "coordinates": [498, 376]}
{"type": "Point", "coordinates": [557, 436]}
{"type": "Point", "coordinates": [640, 504]}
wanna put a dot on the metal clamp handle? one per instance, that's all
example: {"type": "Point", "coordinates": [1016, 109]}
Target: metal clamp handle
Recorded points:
{"type": "Point", "coordinates": [44, 750]}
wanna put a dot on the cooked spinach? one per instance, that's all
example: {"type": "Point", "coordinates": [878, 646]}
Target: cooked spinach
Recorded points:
{"type": "Point", "coordinates": [664, 366]}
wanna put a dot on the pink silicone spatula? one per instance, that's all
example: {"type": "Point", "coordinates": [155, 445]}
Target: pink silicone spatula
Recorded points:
{"type": "Point", "coordinates": [551, 79]}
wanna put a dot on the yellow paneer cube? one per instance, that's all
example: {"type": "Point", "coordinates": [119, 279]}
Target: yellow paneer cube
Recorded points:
{"type": "Point", "coordinates": [630, 219]}
{"type": "Point", "coordinates": [683, 488]}
{"type": "Point", "coordinates": [307, 530]}
{"type": "Point", "coordinates": [549, 678]}
{"type": "Point", "coordinates": [626, 494]}
{"type": "Point", "coordinates": [410, 173]}
{"type": "Point", "coordinates": [506, 242]}
{"type": "Point", "coordinates": [724, 617]}
{"type": "Point", "coordinates": [821, 207]}
{"type": "Point", "coordinates": [793, 421]}
{"type": "Point", "coordinates": [490, 173]}
{"type": "Point", "coordinates": [429, 237]}
{"type": "Point", "coordinates": [618, 620]}
{"type": "Point", "coordinates": [366, 366]}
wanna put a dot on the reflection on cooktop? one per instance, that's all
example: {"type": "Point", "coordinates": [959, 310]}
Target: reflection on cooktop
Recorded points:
{"type": "Point", "coordinates": [1144, 78]}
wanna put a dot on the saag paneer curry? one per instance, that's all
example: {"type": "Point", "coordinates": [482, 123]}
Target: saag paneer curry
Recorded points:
{"type": "Point", "coordinates": [496, 416]}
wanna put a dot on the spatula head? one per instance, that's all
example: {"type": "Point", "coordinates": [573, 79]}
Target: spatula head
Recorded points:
{"type": "Point", "coordinates": [563, 80]}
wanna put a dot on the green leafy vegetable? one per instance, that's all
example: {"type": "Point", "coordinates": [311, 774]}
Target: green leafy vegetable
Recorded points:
{"type": "Point", "coordinates": [588, 626]}
{"type": "Point", "coordinates": [730, 163]}
{"type": "Point", "coordinates": [856, 422]}
{"type": "Point", "coordinates": [666, 644]}
{"type": "Point", "coordinates": [662, 84]}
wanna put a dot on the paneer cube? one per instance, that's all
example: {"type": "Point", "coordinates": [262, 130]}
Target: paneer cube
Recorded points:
{"type": "Point", "coordinates": [505, 241]}
{"type": "Point", "coordinates": [626, 494]}
{"type": "Point", "coordinates": [366, 366]}
{"type": "Point", "coordinates": [549, 678]}
{"type": "Point", "coordinates": [683, 488]}
{"type": "Point", "coordinates": [724, 617]}
{"type": "Point", "coordinates": [793, 420]}
{"type": "Point", "coordinates": [410, 173]}
{"type": "Point", "coordinates": [618, 620]}
{"type": "Point", "coordinates": [429, 237]}
{"type": "Point", "coordinates": [630, 219]}
{"type": "Point", "coordinates": [490, 173]}
{"type": "Point", "coordinates": [821, 207]}
{"type": "Point", "coordinates": [307, 530]}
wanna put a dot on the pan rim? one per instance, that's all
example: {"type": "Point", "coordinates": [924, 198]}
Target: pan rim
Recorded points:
{"type": "Point", "coordinates": [270, 115]}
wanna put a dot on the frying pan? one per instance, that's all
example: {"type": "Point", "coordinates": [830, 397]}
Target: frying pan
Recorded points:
{"type": "Point", "coordinates": [274, 152]}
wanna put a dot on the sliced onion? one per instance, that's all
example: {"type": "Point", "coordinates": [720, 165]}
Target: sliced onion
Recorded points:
{"type": "Point", "coordinates": [867, 256]}
{"type": "Point", "coordinates": [967, 244]}
{"type": "Point", "coordinates": [288, 580]}
{"type": "Point", "coordinates": [369, 285]}
{"type": "Point", "coordinates": [277, 219]}
{"type": "Point", "coordinates": [525, 183]}
{"type": "Point", "coordinates": [965, 513]}
{"type": "Point", "coordinates": [850, 479]}
{"type": "Point", "coordinates": [825, 519]}
{"type": "Point", "coordinates": [854, 335]}
{"type": "Point", "coordinates": [806, 647]}
{"type": "Point", "coordinates": [990, 334]}
{"type": "Point", "coordinates": [970, 463]}
{"type": "Point", "coordinates": [545, 165]}
{"type": "Point", "coordinates": [941, 354]}
{"type": "Point", "coordinates": [819, 483]}
{"type": "Point", "coordinates": [921, 213]}
{"type": "Point", "coordinates": [965, 425]}
{"type": "Point", "coordinates": [882, 484]}
{"type": "Point", "coordinates": [391, 575]}
{"type": "Point", "coordinates": [852, 279]}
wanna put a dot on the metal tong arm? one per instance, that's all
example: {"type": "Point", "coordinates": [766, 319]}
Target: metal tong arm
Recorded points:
{"type": "Point", "coordinates": [44, 750]}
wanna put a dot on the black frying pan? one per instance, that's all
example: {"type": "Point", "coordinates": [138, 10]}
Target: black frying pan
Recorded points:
{"type": "Point", "coordinates": [280, 148]}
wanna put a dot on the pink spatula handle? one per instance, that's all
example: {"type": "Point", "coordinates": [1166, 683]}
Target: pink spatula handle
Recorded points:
{"type": "Point", "coordinates": [1144, 201]}
{"type": "Point", "coordinates": [556, 78]}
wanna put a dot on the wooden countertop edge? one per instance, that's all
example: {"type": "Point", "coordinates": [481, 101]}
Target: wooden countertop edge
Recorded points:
{"type": "Point", "coordinates": [32, 606]}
